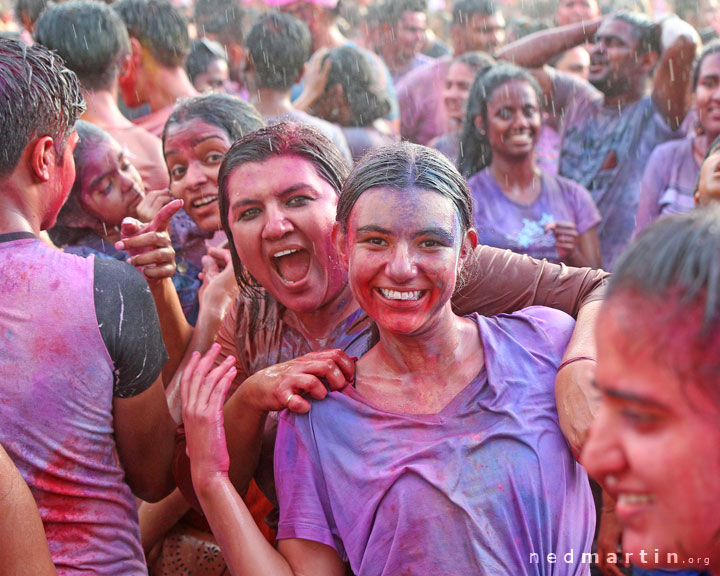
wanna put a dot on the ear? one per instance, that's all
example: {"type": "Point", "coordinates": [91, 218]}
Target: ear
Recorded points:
{"type": "Point", "coordinates": [648, 60]}
{"type": "Point", "coordinates": [339, 240]}
{"type": "Point", "coordinates": [696, 197]}
{"type": "Point", "coordinates": [42, 156]}
{"type": "Point", "coordinates": [236, 54]}
{"type": "Point", "coordinates": [467, 249]}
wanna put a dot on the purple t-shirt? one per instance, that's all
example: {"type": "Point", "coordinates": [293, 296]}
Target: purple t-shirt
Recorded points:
{"type": "Point", "coordinates": [503, 223]}
{"type": "Point", "coordinates": [415, 62]}
{"type": "Point", "coordinates": [477, 488]}
{"type": "Point", "coordinates": [606, 150]}
{"type": "Point", "coordinates": [668, 184]}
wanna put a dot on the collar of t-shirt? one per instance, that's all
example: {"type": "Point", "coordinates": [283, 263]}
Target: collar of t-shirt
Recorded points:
{"type": "Point", "coordinates": [12, 236]}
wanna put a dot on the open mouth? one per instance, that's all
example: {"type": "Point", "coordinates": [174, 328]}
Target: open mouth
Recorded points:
{"type": "Point", "coordinates": [204, 201]}
{"type": "Point", "coordinates": [520, 138]}
{"type": "Point", "coordinates": [634, 499]}
{"type": "Point", "coordinates": [292, 265]}
{"type": "Point", "coordinates": [401, 294]}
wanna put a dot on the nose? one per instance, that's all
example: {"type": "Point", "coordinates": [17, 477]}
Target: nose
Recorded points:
{"type": "Point", "coordinates": [401, 267]}
{"type": "Point", "coordinates": [603, 454]}
{"type": "Point", "coordinates": [276, 224]}
{"type": "Point", "coordinates": [195, 175]}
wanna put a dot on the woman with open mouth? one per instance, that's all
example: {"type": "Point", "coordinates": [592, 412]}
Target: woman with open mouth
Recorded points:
{"type": "Point", "coordinates": [433, 453]}
{"type": "Point", "coordinates": [517, 206]}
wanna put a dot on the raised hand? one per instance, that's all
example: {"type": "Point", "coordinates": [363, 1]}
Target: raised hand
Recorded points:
{"type": "Point", "coordinates": [149, 244]}
{"type": "Point", "coordinates": [152, 204]}
{"type": "Point", "coordinates": [203, 389]}
{"type": "Point", "coordinates": [287, 385]}
{"type": "Point", "coordinates": [567, 239]}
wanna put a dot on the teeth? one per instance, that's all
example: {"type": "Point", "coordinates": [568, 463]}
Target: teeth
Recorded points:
{"type": "Point", "coordinates": [201, 203]}
{"type": "Point", "coordinates": [397, 295]}
{"type": "Point", "coordinates": [284, 253]}
{"type": "Point", "coordinates": [634, 499]}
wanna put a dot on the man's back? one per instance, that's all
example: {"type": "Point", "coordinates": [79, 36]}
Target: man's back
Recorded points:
{"type": "Point", "coordinates": [56, 406]}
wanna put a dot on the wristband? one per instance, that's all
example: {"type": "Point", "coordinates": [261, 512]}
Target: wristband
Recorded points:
{"type": "Point", "coordinates": [575, 359]}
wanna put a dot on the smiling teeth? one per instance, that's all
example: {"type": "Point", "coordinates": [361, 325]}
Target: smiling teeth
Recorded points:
{"type": "Point", "coordinates": [634, 499]}
{"type": "Point", "coordinates": [201, 203]}
{"type": "Point", "coordinates": [397, 295]}
{"type": "Point", "coordinates": [284, 253]}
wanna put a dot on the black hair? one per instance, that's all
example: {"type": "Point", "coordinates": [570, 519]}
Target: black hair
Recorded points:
{"type": "Point", "coordinates": [352, 70]}
{"type": "Point", "coordinates": [282, 139]}
{"type": "Point", "coordinates": [396, 8]}
{"type": "Point", "coordinates": [90, 37]}
{"type": "Point", "coordinates": [159, 27]}
{"type": "Point", "coordinates": [645, 31]}
{"type": "Point", "coordinates": [224, 19]}
{"type": "Point", "coordinates": [405, 166]}
{"type": "Point", "coordinates": [39, 96]}
{"type": "Point", "coordinates": [29, 10]}
{"type": "Point", "coordinates": [236, 117]}
{"type": "Point", "coordinates": [710, 49]}
{"type": "Point", "coordinates": [674, 266]}
{"type": "Point", "coordinates": [475, 151]}
{"type": "Point", "coordinates": [279, 45]}
{"type": "Point", "coordinates": [464, 9]}
{"type": "Point", "coordinates": [203, 52]}
{"type": "Point", "coordinates": [476, 60]}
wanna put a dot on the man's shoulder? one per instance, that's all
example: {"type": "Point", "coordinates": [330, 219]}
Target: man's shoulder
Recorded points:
{"type": "Point", "coordinates": [435, 69]}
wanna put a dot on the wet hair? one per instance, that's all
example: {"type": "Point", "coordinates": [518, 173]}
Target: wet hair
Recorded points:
{"type": "Point", "coordinates": [39, 97]}
{"type": "Point", "coordinates": [29, 10]}
{"type": "Point", "coordinates": [279, 45]}
{"type": "Point", "coordinates": [236, 117]}
{"type": "Point", "coordinates": [674, 268]}
{"type": "Point", "coordinates": [645, 31]}
{"type": "Point", "coordinates": [90, 37]}
{"type": "Point", "coordinates": [67, 231]}
{"type": "Point", "coordinates": [352, 70]}
{"type": "Point", "coordinates": [475, 151]}
{"type": "Point", "coordinates": [476, 60]}
{"type": "Point", "coordinates": [464, 9]}
{"type": "Point", "coordinates": [710, 49]}
{"type": "Point", "coordinates": [282, 139]}
{"type": "Point", "coordinates": [224, 19]}
{"type": "Point", "coordinates": [396, 9]}
{"type": "Point", "coordinates": [406, 166]}
{"type": "Point", "coordinates": [203, 52]}
{"type": "Point", "coordinates": [159, 27]}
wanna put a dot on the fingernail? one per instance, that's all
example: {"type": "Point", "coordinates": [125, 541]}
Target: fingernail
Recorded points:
{"type": "Point", "coordinates": [354, 358]}
{"type": "Point", "coordinates": [120, 245]}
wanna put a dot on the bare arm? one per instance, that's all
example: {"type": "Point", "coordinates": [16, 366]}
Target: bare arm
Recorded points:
{"type": "Point", "coordinates": [144, 434]}
{"type": "Point", "coordinates": [536, 50]}
{"type": "Point", "coordinates": [672, 87]}
{"type": "Point", "coordinates": [244, 547]}
{"type": "Point", "coordinates": [23, 547]}
{"type": "Point", "coordinates": [577, 400]}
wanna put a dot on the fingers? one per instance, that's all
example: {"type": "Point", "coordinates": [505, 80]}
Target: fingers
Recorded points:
{"type": "Point", "coordinates": [162, 219]}
{"type": "Point", "coordinates": [130, 227]}
{"type": "Point", "coordinates": [147, 240]}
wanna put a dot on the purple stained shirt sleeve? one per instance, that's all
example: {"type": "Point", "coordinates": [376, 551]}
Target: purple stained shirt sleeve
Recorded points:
{"type": "Point", "coordinates": [582, 206]}
{"type": "Point", "coordinates": [302, 494]}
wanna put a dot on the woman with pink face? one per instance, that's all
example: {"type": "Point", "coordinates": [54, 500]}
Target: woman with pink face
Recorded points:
{"type": "Point", "coordinates": [518, 206]}
{"type": "Point", "coordinates": [433, 431]}
{"type": "Point", "coordinates": [671, 173]}
{"type": "Point", "coordinates": [654, 444]}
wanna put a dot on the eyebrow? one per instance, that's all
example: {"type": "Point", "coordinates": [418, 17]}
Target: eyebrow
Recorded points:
{"type": "Point", "coordinates": [95, 181]}
{"type": "Point", "coordinates": [435, 231]}
{"type": "Point", "coordinates": [629, 396]}
{"type": "Point", "coordinates": [195, 142]}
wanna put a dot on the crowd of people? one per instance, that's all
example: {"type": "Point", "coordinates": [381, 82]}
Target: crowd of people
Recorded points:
{"type": "Point", "coordinates": [372, 288]}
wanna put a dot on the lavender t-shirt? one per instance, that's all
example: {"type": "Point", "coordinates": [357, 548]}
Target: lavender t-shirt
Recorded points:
{"type": "Point", "coordinates": [503, 223]}
{"type": "Point", "coordinates": [668, 184]}
{"type": "Point", "coordinates": [479, 488]}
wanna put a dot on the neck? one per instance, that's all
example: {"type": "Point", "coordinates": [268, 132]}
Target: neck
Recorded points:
{"type": "Point", "coordinates": [703, 142]}
{"type": "Point", "coordinates": [318, 325]}
{"type": "Point", "coordinates": [423, 356]}
{"type": "Point", "coordinates": [514, 173]}
{"type": "Point", "coordinates": [16, 210]}
{"type": "Point", "coordinates": [395, 61]}
{"type": "Point", "coordinates": [269, 102]}
{"type": "Point", "coordinates": [330, 37]}
{"type": "Point", "coordinates": [102, 110]}
{"type": "Point", "coordinates": [168, 86]}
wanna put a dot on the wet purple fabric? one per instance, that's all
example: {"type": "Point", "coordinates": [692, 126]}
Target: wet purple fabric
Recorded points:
{"type": "Point", "coordinates": [668, 184]}
{"type": "Point", "coordinates": [606, 150]}
{"type": "Point", "coordinates": [503, 223]}
{"type": "Point", "coordinates": [417, 61]}
{"type": "Point", "coordinates": [56, 399]}
{"type": "Point", "coordinates": [474, 489]}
